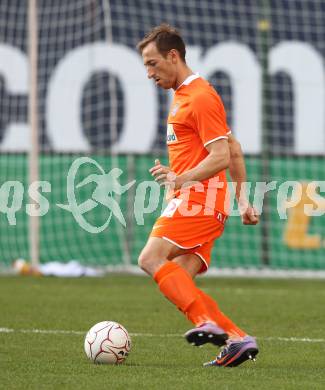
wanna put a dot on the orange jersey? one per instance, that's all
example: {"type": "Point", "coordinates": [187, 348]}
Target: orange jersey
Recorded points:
{"type": "Point", "coordinates": [197, 118]}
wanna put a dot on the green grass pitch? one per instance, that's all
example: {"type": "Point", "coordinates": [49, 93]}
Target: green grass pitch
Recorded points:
{"type": "Point", "coordinates": [273, 310]}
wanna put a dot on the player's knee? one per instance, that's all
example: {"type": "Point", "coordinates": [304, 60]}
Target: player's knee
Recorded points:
{"type": "Point", "coordinates": [144, 261]}
{"type": "Point", "coordinates": [149, 262]}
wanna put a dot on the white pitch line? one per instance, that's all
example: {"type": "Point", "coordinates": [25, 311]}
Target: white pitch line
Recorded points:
{"type": "Point", "coordinates": [79, 332]}
{"type": "Point", "coordinates": [43, 331]}
{"type": "Point", "coordinates": [293, 339]}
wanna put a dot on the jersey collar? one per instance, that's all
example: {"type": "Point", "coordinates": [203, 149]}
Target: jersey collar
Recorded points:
{"type": "Point", "coordinates": [189, 79]}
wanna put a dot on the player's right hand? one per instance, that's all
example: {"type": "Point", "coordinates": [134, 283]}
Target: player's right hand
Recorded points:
{"type": "Point", "coordinates": [162, 174]}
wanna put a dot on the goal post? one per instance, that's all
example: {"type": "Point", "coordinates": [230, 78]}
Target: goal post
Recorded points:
{"type": "Point", "coordinates": [33, 124]}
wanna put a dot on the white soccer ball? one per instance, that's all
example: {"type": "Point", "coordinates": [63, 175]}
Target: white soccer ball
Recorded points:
{"type": "Point", "coordinates": [107, 342]}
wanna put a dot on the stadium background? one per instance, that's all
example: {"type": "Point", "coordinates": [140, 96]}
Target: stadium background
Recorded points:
{"type": "Point", "coordinates": [64, 27]}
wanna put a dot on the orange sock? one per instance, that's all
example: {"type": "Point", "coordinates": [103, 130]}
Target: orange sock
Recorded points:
{"type": "Point", "coordinates": [219, 318]}
{"type": "Point", "coordinates": [177, 286]}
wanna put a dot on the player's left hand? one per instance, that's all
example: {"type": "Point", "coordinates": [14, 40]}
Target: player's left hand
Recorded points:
{"type": "Point", "coordinates": [164, 175]}
{"type": "Point", "coordinates": [249, 215]}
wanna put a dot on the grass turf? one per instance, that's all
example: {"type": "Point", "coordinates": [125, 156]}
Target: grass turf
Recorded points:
{"type": "Point", "coordinates": [160, 359]}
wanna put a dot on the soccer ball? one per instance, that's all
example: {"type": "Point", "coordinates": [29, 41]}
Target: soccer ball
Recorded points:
{"type": "Point", "coordinates": [107, 342]}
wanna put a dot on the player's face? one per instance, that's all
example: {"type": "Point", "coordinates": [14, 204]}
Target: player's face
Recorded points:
{"type": "Point", "coordinates": [159, 68]}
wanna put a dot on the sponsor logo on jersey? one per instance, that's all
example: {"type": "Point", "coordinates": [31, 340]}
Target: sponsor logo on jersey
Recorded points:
{"type": "Point", "coordinates": [171, 136]}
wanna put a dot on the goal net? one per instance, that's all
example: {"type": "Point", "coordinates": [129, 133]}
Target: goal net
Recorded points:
{"type": "Point", "coordinates": [100, 124]}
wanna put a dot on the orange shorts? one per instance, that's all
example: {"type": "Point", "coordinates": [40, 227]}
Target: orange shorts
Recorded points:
{"type": "Point", "coordinates": [193, 232]}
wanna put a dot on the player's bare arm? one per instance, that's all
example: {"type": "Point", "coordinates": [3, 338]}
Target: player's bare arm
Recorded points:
{"type": "Point", "coordinates": [237, 172]}
{"type": "Point", "coordinates": [216, 161]}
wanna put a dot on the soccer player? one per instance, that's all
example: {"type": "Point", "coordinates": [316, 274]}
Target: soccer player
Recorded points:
{"type": "Point", "coordinates": [201, 148]}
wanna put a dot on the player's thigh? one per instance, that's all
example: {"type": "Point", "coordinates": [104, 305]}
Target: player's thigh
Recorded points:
{"type": "Point", "coordinates": [190, 262]}
{"type": "Point", "coordinates": [155, 253]}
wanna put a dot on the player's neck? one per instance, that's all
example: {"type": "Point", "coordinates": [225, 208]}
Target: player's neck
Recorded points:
{"type": "Point", "coordinates": [184, 73]}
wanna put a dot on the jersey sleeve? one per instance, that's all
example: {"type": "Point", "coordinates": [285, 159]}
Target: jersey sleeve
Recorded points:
{"type": "Point", "coordinates": [210, 118]}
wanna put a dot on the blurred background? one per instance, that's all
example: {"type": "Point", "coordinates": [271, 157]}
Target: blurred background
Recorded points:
{"type": "Point", "coordinates": [72, 84]}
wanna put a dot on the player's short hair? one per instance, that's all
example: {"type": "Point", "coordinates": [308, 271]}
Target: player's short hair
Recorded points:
{"type": "Point", "coordinates": [166, 38]}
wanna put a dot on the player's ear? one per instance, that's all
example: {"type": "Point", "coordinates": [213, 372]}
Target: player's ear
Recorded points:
{"type": "Point", "coordinates": [174, 55]}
